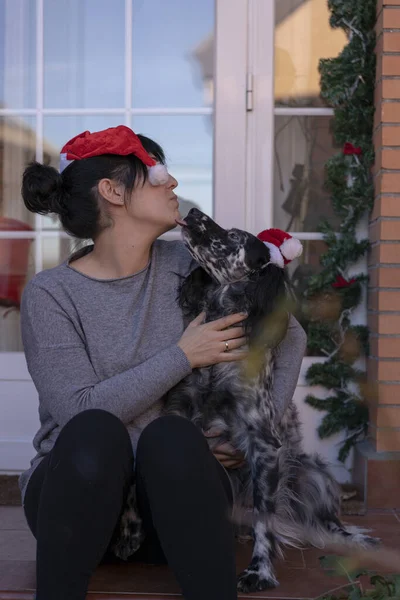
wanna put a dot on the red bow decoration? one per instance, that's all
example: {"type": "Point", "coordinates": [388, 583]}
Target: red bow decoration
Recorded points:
{"type": "Point", "coordinates": [340, 282]}
{"type": "Point", "coordinates": [349, 149]}
{"type": "Point", "coordinates": [116, 140]}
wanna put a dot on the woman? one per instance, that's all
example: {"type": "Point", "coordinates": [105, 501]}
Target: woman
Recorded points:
{"type": "Point", "coordinates": [104, 341]}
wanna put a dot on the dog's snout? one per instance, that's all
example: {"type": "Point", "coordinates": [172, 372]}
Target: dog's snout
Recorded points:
{"type": "Point", "coordinates": [195, 212]}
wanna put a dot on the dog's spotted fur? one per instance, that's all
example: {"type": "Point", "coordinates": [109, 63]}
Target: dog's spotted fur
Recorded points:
{"type": "Point", "coordinates": [294, 498]}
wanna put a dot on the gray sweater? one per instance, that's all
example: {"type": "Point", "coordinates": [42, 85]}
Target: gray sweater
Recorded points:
{"type": "Point", "coordinates": [112, 344]}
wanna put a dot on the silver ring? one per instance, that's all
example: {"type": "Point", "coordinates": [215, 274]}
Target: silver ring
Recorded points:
{"type": "Point", "coordinates": [226, 347]}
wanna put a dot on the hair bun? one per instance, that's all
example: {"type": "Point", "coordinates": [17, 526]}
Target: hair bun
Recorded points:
{"type": "Point", "coordinates": [42, 190]}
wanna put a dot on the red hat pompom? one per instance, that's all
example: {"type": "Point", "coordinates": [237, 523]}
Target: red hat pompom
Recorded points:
{"type": "Point", "coordinates": [115, 140]}
{"type": "Point", "coordinates": [282, 246]}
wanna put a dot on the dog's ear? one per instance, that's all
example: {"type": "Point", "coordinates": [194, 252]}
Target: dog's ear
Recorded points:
{"type": "Point", "coordinates": [193, 290]}
{"type": "Point", "coordinates": [267, 320]}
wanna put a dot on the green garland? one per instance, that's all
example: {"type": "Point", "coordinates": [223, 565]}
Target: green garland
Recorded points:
{"type": "Point", "coordinates": [347, 83]}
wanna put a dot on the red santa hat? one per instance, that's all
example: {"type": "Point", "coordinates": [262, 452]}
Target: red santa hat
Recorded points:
{"type": "Point", "coordinates": [116, 140]}
{"type": "Point", "coordinates": [282, 246]}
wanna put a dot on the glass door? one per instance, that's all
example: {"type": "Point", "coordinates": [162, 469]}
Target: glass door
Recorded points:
{"type": "Point", "coordinates": [174, 71]}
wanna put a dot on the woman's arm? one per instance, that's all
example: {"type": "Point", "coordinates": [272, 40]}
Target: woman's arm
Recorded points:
{"type": "Point", "coordinates": [64, 376]}
{"type": "Point", "coordinates": [289, 356]}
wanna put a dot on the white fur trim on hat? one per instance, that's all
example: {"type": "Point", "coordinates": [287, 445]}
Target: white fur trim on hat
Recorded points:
{"type": "Point", "coordinates": [64, 162]}
{"type": "Point", "coordinates": [276, 256]}
{"type": "Point", "coordinates": [291, 248]}
{"type": "Point", "coordinates": [158, 174]}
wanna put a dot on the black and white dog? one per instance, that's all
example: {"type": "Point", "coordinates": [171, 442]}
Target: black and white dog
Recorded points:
{"type": "Point", "coordinates": [294, 498]}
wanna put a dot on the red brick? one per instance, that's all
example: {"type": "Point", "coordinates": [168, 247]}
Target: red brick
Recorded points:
{"type": "Point", "coordinates": [390, 183]}
{"type": "Point", "coordinates": [391, 135]}
{"type": "Point", "coordinates": [388, 324]}
{"type": "Point", "coordinates": [384, 230]}
{"type": "Point", "coordinates": [386, 347]}
{"type": "Point", "coordinates": [386, 440]}
{"type": "Point", "coordinates": [388, 300]}
{"type": "Point", "coordinates": [388, 370]}
{"type": "Point", "coordinates": [390, 110]}
{"type": "Point", "coordinates": [391, 18]}
{"type": "Point", "coordinates": [387, 253]}
{"type": "Point", "coordinates": [386, 206]}
{"type": "Point", "coordinates": [388, 393]}
{"type": "Point", "coordinates": [390, 88]}
{"type": "Point", "coordinates": [391, 41]}
{"type": "Point", "coordinates": [390, 64]}
{"type": "Point", "coordinates": [388, 277]}
{"type": "Point", "coordinates": [390, 159]}
{"type": "Point", "coordinates": [388, 416]}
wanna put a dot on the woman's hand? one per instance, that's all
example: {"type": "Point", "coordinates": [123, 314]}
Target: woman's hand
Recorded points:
{"type": "Point", "coordinates": [206, 344]}
{"type": "Point", "coordinates": [225, 453]}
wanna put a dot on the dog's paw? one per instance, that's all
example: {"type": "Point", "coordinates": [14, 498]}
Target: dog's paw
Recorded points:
{"type": "Point", "coordinates": [254, 581]}
{"type": "Point", "coordinates": [369, 542]}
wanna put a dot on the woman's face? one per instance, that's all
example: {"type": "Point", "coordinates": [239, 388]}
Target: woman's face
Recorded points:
{"type": "Point", "coordinates": [155, 206]}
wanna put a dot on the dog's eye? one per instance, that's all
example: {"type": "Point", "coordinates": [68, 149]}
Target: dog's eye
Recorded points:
{"type": "Point", "coordinates": [234, 236]}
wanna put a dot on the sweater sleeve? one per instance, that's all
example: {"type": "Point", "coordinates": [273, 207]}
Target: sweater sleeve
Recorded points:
{"type": "Point", "coordinates": [63, 374]}
{"type": "Point", "coordinates": [289, 356]}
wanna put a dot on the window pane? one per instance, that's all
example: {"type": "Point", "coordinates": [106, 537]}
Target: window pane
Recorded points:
{"type": "Point", "coordinates": [173, 53]}
{"type": "Point", "coordinates": [300, 270]}
{"type": "Point", "coordinates": [302, 147]}
{"type": "Point", "coordinates": [17, 149]}
{"type": "Point", "coordinates": [188, 145]}
{"type": "Point", "coordinates": [84, 53]}
{"type": "Point", "coordinates": [302, 36]}
{"type": "Point", "coordinates": [17, 54]}
{"type": "Point", "coordinates": [56, 250]}
{"type": "Point", "coordinates": [17, 266]}
{"type": "Point", "coordinates": [58, 130]}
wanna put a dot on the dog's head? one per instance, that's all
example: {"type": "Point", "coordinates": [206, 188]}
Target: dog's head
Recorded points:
{"type": "Point", "coordinates": [227, 255]}
{"type": "Point", "coordinates": [234, 258]}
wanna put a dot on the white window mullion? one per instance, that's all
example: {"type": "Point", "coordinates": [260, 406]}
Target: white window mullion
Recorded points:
{"type": "Point", "coordinates": [39, 122]}
{"type": "Point", "coordinates": [260, 120]}
{"type": "Point", "coordinates": [303, 111]}
{"type": "Point", "coordinates": [128, 62]}
{"type": "Point", "coordinates": [230, 65]}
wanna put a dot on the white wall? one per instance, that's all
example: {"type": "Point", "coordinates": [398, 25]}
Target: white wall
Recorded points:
{"type": "Point", "coordinates": [19, 418]}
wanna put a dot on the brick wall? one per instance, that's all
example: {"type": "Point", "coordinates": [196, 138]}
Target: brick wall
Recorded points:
{"type": "Point", "coordinates": [384, 260]}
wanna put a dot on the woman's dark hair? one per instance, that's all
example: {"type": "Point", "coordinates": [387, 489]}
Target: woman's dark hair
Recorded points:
{"type": "Point", "coordinates": [73, 194]}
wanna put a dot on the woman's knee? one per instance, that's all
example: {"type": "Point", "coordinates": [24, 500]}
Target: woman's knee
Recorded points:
{"type": "Point", "coordinates": [95, 444]}
{"type": "Point", "coordinates": [173, 445]}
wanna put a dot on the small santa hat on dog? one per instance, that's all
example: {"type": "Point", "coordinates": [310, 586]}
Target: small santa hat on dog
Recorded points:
{"type": "Point", "coordinates": [115, 140]}
{"type": "Point", "coordinates": [282, 246]}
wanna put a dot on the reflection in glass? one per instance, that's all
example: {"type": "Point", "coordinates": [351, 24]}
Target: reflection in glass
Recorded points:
{"type": "Point", "coordinates": [17, 266]}
{"type": "Point", "coordinates": [84, 53]}
{"type": "Point", "coordinates": [300, 270]}
{"type": "Point", "coordinates": [188, 145]}
{"type": "Point", "coordinates": [17, 149]}
{"type": "Point", "coordinates": [302, 147]}
{"type": "Point", "coordinates": [173, 53]}
{"type": "Point", "coordinates": [17, 54]}
{"type": "Point", "coordinates": [302, 37]}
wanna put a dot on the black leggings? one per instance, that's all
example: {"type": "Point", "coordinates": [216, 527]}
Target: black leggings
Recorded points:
{"type": "Point", "coordinates": [75, 496]}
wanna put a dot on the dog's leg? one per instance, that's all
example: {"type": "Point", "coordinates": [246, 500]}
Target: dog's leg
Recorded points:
{"type": "Point", "coordinates": [263, 458]}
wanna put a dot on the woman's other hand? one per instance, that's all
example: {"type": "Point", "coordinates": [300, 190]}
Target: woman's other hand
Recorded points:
{"type": "Point", "coordinates": [224, 452]}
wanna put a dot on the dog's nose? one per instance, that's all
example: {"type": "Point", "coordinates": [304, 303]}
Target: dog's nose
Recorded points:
{"type": "Point", "coordinates": [195, 212]}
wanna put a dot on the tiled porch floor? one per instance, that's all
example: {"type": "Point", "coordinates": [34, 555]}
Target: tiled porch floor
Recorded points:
{"type": "Point", "coordinates": [300, 575]}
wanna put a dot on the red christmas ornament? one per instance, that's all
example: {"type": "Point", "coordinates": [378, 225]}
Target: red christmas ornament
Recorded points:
{"type": "Point", "coordinates": [340, 282]}
{"type": "Point", "coordinates": [349, 149]}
